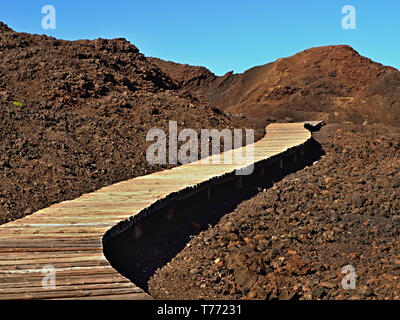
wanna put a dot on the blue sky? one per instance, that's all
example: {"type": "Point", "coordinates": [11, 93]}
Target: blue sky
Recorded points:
{"type": "Point", "coordinates": [221, 35]}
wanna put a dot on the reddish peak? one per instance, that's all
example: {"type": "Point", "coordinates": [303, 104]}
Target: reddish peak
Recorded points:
{"type": "Point", "coordinates": [334, 52]}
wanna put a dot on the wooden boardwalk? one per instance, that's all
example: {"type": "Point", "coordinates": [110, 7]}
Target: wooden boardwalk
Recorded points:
{"type": "Point", "coordinates": [69, 235]}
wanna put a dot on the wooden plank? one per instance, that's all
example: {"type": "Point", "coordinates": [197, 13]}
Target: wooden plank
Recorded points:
{"type": "Point", "coordinates": [72, 294]}
{"type": "Point", "coordinates": [70, 272]}
{"type": "Point", "coordinates": [63, 281]}
{"type": "Point", "coordinates": [83, 286]}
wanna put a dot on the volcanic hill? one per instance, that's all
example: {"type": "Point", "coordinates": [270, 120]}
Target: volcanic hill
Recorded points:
{"type": "Point", "coordinates": [332, 83]}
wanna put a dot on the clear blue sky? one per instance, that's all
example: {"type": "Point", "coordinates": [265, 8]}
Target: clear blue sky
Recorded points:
{"type": "Point", "coordinates": [222, 35]}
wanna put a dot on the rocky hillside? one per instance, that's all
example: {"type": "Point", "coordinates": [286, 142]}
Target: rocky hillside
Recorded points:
{"type": "Point", "coordinates": [74, 117]}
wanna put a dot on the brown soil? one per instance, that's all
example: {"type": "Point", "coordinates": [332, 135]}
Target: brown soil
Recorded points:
{"type": "Point", "coordinates": [291, 240]}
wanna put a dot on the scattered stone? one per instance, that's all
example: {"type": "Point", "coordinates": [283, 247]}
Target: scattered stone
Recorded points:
{"type": "Point", "coordinates": [318, 292]}
{"type": "Point", "coordinates": [28, 211]}
{"type": "Point", "coordinates": [195, 271]}
{"type": "Point", "coordinates": [357, 199]}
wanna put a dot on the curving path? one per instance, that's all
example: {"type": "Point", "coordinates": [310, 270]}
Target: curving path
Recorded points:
{"type": "Point", "coordinates": [69, 235]}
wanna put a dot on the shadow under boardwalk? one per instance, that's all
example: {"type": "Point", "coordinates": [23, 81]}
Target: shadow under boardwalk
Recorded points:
{"type": "Point", "coordinates": [164, 236]}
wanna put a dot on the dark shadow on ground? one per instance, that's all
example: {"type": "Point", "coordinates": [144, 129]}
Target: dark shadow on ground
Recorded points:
{"type": "Point", "coordinates": [163, 239]}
